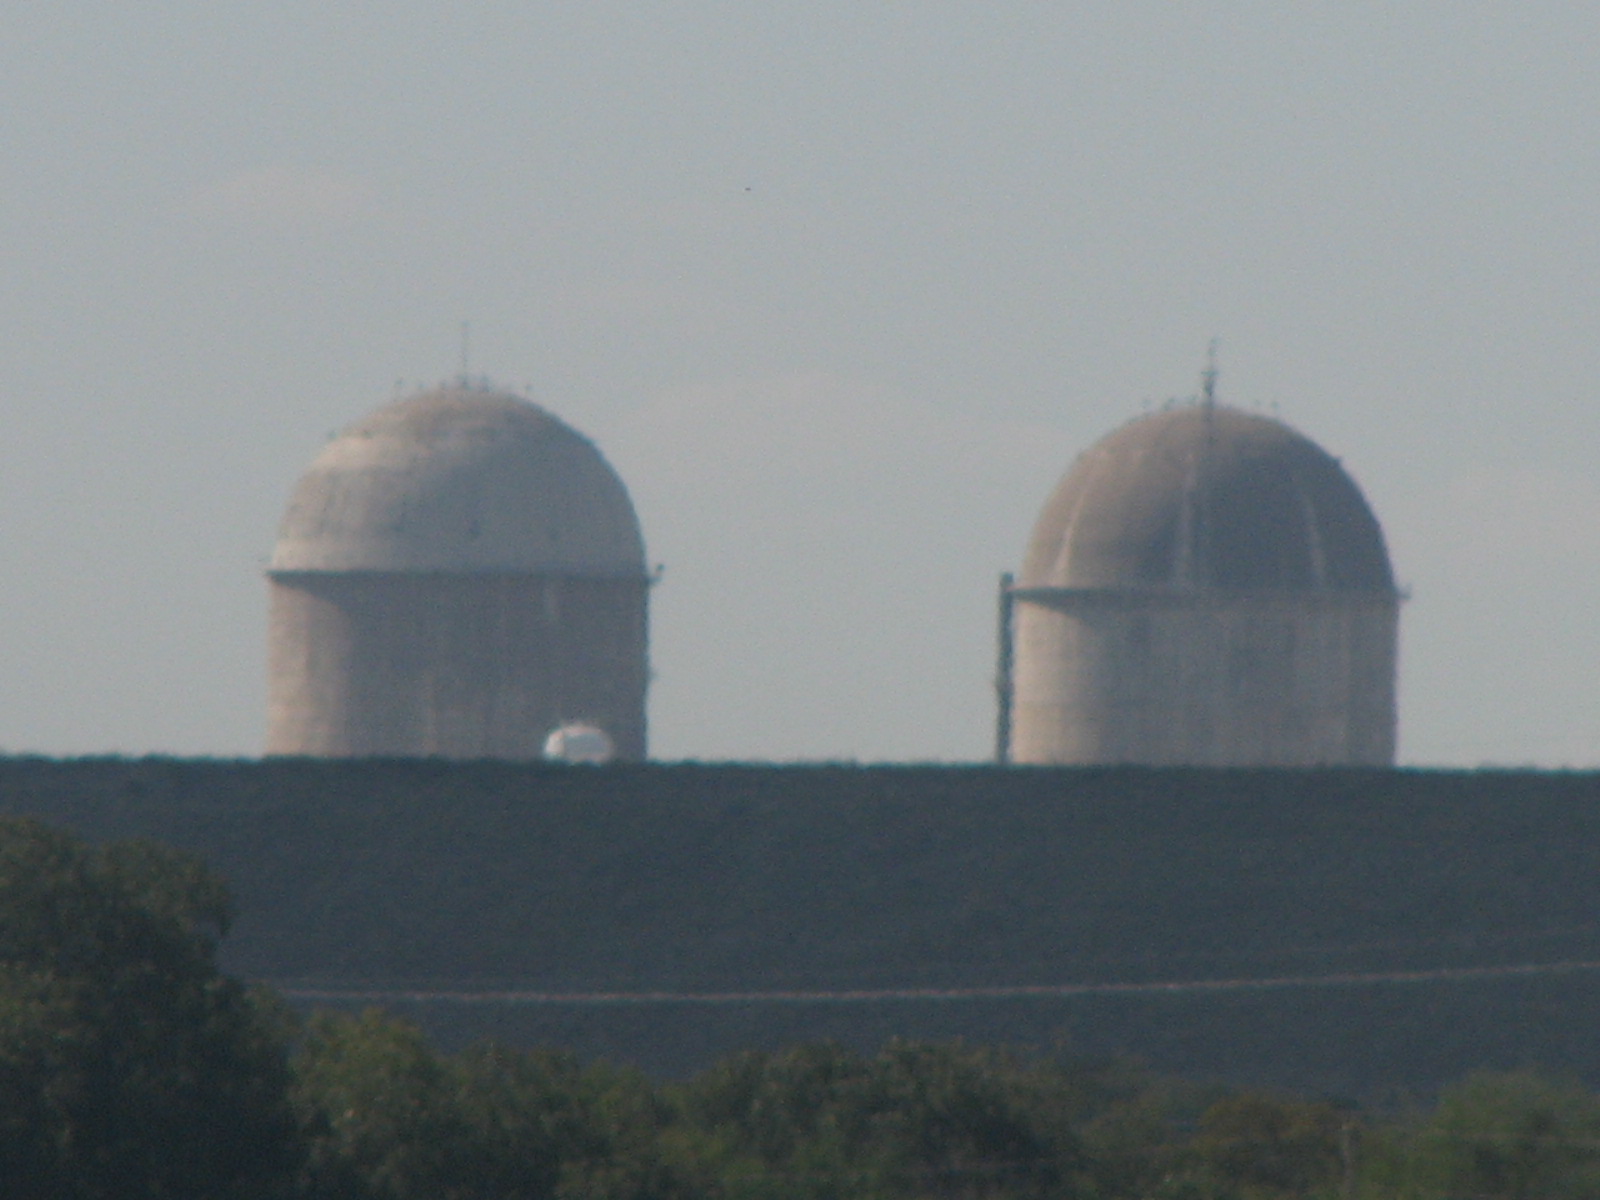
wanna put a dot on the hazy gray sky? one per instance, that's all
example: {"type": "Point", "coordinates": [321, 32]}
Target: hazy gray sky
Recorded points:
{"type": "Point", "coordinates": [840, 289]}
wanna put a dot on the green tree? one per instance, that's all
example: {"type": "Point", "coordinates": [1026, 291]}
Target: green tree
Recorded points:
{"type": "Point", "coordinates": [1256, 1145]}
{"type": "Point", "coordinates": [915, 1120]}
{"type": "Point", "coordinates": [1137, 1127]}
{"type": "Point", "coordinates": [391, 1118]}
{"type": "Point", "coordinates": [129, 1065]}
{"type": "Point", "coordinates": [1510, 1136]}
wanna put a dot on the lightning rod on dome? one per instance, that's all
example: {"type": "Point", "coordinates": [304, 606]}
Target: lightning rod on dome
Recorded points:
{"type": "Point", "coordinates": [1208, 377]}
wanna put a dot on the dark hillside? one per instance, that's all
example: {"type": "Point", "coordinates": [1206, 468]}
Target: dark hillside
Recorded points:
{"type": "Point", "coordinates": [389, 877]}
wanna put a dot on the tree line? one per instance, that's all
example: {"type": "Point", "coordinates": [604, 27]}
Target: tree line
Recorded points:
{"type": "Point", "coordinates": [131, 1066]}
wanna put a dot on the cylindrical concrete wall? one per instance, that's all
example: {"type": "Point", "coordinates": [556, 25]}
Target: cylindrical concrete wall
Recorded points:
{"type": "Point", "coordinates": [455, 666]}
{"type": "Point", "coordinates": [1266, 680]}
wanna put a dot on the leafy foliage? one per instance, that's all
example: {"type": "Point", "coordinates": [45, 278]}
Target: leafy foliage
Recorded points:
{"type": "Point", "coordinates": [1268, 1146]}
{"type": "Point", "coordinates": [1496, 1135]}
{"type": "Point", "coordinates": [915, 1120]}
{"type": "Point", "coordinates": [390, 1118]}
{"type": "Point", "coordinates": [128, 1064]}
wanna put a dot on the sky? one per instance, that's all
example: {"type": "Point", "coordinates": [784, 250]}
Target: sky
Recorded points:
{"type": "Point", "coordinates": [839, 289]}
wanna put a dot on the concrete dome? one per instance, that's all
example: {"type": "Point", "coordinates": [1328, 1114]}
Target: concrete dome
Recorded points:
{"type": "Point", "coordinates": [1207, 498]}
{"type": "Point", "coordinates": [461, 480]}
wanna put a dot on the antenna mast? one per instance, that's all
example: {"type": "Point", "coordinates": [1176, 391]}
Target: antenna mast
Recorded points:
{"type": "Point", "coordinates": [1208, 377]}
{"type": "Point", "coordinates": [1004, 679]}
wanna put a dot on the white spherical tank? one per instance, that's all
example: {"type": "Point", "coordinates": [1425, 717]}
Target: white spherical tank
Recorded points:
{"type": "Point", "coordinates": [577, 742]}
{"type": "Point", "coordinates": [1205, 587]}
{"type": "Point", "coordinates": [453, 575]}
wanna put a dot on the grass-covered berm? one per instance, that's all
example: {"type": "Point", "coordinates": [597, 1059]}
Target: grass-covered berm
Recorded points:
{"type": "Point", "coordinates": [1339, 932]}
{"type": "Point", "coordinates": [132, 1067]}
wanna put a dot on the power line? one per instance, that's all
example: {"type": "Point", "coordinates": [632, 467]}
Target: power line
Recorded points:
{"type": "Point", "coordinates": [1065, 991]}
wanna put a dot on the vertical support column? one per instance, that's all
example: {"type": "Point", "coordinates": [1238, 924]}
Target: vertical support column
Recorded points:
{"type": "Point", "coordinates": [1003, 686]}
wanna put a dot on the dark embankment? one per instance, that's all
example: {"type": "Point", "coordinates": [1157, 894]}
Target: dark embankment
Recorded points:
{"type": "Point", "coordinates": [1369, 930]}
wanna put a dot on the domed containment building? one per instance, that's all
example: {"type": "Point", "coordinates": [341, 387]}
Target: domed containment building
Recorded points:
{"type": "Point", "coordinates": [457, 575]}
{"type": "Point", "coordinates": [1204, 587]}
